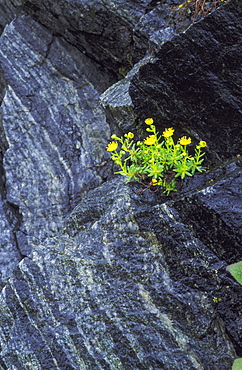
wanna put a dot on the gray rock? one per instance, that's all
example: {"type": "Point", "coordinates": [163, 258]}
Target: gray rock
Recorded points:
{"type": "Point", "coordinates": [7, 13]}
{"type": "Point", "coordinates": [9, 253]}
{"type": "Point", "coordinates": [114, 33]}
{"type": "Point", "coordinates": [128, 285]}
{"type": "Point", "coordinates": [118, 104]}
{"type": "Point", "coordinates": [194, 82]}
{"type": "Point", "coordinates": [109, 279]}
{"type": "Point", "coordinates": [51, 95]}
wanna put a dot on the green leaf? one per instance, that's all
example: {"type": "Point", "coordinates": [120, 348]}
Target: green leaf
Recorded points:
{"type": "Point", "coordinates": [199, 168]}
{"type": "Point", "coordinates": [236, 271]}
{"type": "Point", "coordinates": [199, 162]}
{"type": "Point", "coordinates": [237, 365]}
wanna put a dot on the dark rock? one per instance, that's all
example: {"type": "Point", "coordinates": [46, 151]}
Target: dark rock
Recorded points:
{"type": "Point", "coordinates": [133, 289]}
{"type": "Point", "coordinates": [7, 13]}
{"type": "Point", "coordinates": [9, 254]}
{"type": "Point", "coordinates": [96, 276]}
{"type": "Point", "coordinates": [193, 84]}
{"type": "Point", "coordinates": [101, 29]}
{"type": "Point", "coordinates": [51, 94]}
{"type": "Point", "coordinates": [215, 211]}
{"type": "Point", "coordinates": [2, 85]}
{"type": "Point", "coordinates": [117, 102]}
{"type": "Point", "coordinates": [116, 34]}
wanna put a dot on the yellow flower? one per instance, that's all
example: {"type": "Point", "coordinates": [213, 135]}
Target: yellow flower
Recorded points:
{"type": "Point", "coordinates": [185, 141]}
{"type": "Point", "coordinates": [202, 144]}
{"type": "Point", "coordinates": [168, 132]}
{"type": "Point", "coordinates": [114, 137]}
{"type": "Point", "coordinates": [130, 135]}
{"type": "Point", "coordinates": [150, 140]}
{"type": "Point", "coordinates": [154, 181]}
{"type": "Point", "coordinates": [112, 146]}
{"type": "Point", "coordinates": [149, 121]}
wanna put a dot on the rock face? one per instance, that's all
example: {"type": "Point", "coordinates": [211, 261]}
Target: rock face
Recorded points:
{"type": "Point", "coordinates": [115, 34]}
{"type": "Point", "coordinates": [49, 103]}
{"type": "Point", "coordinates": [124, 287]}
{"type": "Point", "coordinates": [93, 275]}
{"type": "Point", "coordinates": [198, 71]}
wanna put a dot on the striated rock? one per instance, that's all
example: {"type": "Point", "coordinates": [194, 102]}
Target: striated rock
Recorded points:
{"type": "Point", "coordinates": [9, 253]}
{"type": "Point", "coordinates": [96, 276]}
{"type": "Point", "coordinates": [55, 129]}
{"type": "Point", "coordinates": [194, 82]}
{"type": "Point", "coordinates": [7, 13]}
{"type": "Point", "coordinates": [128, 285]}
{"type": "Point", "coordinates": [115, 34]}
{"type": "Point", "coordinates": [2, 85]}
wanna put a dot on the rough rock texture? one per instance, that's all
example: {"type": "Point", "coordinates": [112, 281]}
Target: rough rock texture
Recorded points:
{"type": "Point", "coordinates": [116, 34]}
{"type": "Point", "coordinates": [95, 276]}
{"type": "Point", "coordinates": [124, 290]}
{"type": "Point", "coordinates": [194, 82]}
{"type": "Point", "coordinates": [45, 98]}
{"type": "Point", "coordinates": [48, 103]}
{"type": "Point", "coordinates": [7, 13]}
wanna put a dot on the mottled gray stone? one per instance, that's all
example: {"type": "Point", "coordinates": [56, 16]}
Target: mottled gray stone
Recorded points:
{"type": "Point", "coordinates": [128, 285]}
{"type": "Point", "coordinates": [7, 13]}
{"type": "Point", "coordinates": [9, 254]}
{"type": "Point", "coordinates": [52, 98]}
{"type": "Point", "coordinates": [114, 33]}
{"type": "Point", "coordinates": [109, 279]}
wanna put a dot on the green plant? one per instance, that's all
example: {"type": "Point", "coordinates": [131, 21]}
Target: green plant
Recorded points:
{"type": "Point", "coordinates": [237, 365]}
{"type": "Point", "coordinates": [157, 161]}
{"type": "Point", "coordinates": [236, 271]}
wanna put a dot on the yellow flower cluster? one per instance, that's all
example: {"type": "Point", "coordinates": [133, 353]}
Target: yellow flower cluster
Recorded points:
{"type": "Point", "coordinates": [157, 160]}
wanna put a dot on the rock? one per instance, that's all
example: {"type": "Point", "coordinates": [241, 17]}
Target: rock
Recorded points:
{"type": "Point", "coordinates": [9, 253]}
{"type": "Point", "coordinates": [52, 94]}
{"type": "Point", "coordinates": [7, 13]}
{"type": "Point", "coordinates": [94, 275]}
{"type": "Point", "coordinates": [2, 85]}
{"type": "Point", "coordinates": [192, 85]}
{"type": "Point", "coordinates": [119, 36]}
{"type": "Point", "coordinates": [117, 102]}
{"type": "Point", "coordinates": [215, 210]}
{"type": "Point", "coordinates": [128, 285]}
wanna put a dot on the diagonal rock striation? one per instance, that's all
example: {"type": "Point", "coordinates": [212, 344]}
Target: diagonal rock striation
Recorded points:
{"type": "Point", "coordinates": [93, 275]}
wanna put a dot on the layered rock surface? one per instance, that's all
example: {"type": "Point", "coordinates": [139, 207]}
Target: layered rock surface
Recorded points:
{"type": "Point", "coordinates": [198, 71]}
{"type": "Point", "coordinates": [95, 276]}
{"type": "Point", "coordinates": [124, 287]}
{"type": "Point", "coordinates": [44, 99]}
{"type": "Point", "coordinates": [115, 34]}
